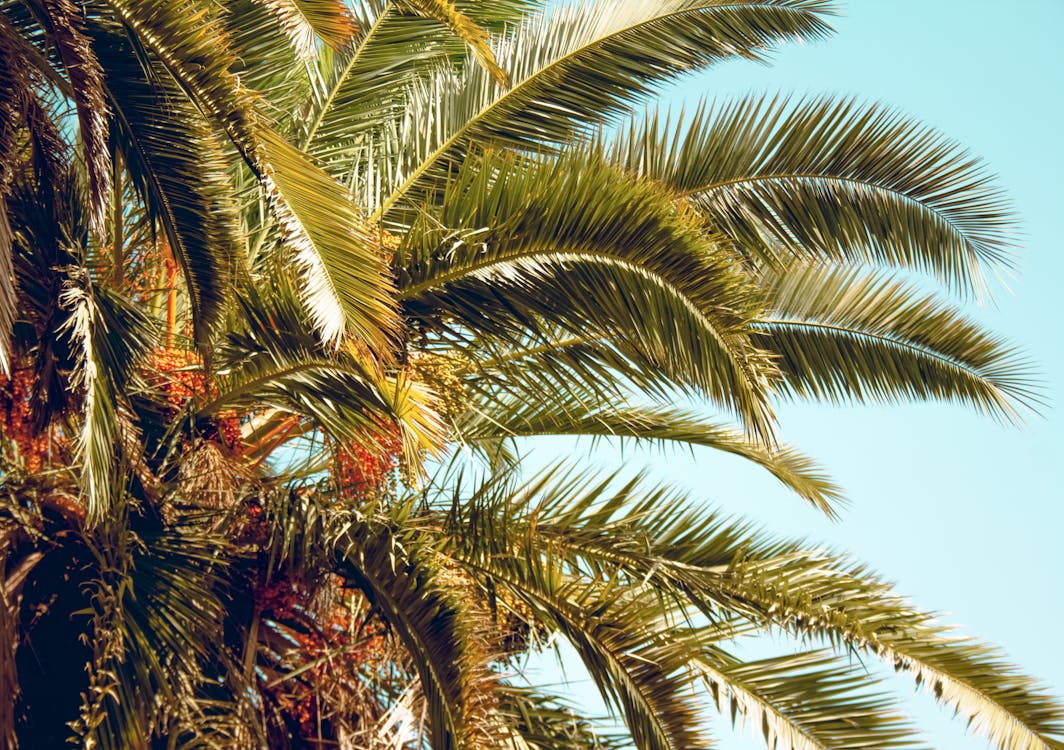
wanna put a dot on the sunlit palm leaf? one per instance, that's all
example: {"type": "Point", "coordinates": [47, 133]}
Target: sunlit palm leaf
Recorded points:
{"type": "Point", "coordinates": [517, 240]}
{"type": "Point", "coordinates": [807, 701]}
{"type": "Point", "coordinates": [830, 178]}
{"type": "Point", "coordinates": [828, 596]}
{"type": "Point", "coordinates": [847, 334]}
{"type": "Point", "coordinates": [465, 28]}
{"type": "Point", "coordinates": [306, 21]}
{"type": "Point", "coordinates": [580, 64]}
{"type": "Point", "coordinates": [344, 281]}
{"type": "Point", "coordinates": [549, 415]}
{"type": "Point", "coordinates": [108, 337]}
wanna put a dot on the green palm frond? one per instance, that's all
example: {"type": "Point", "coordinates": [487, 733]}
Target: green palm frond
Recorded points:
{"type": "Point", "coordinates": [829, 178]}
{"type": "Point", "coordinates": [269, 58]}
{"type": "Point", "coordinates": [277, 359]}
{"type": "Point", "coordinates": [178, 166]}
{"type": "Point", "coordinates": [539, 415]}
{"type": "Point", "coordinates": [365, 88]}
{"type": "Point", "coordinates": [544, 722]}
{"type": "Point", "coordinates": [108, 337]}
{"type": "Point", "coordinates": [580, 64]}
{"type": "Point", "coordinates": [67, 27]}
{"type": "Point", "coordinates": [344, 282]}
{"type": "Point", "coordinates": [517, 240]}
{"type": "Point", "coordinates": [465, 28]}
{"type": "Point", "coordinates": [850, 335]}
{"type": "Point", "coordinates": [819, 594]}
{"type": "Point", "coordinates": [639, 660]}
{"type": "Point", "coordinates": [157, 607]}
{"type": "Point", "coordinates": [17, 98]}
{"type": "Point", "coordinates": [807, 701]}
{"type": "Point", "coordinates": [399, 578]}
{"type": "Point", "coordinates": [700, 562]}
{"type": "Point", "coordinates": [306, 21]}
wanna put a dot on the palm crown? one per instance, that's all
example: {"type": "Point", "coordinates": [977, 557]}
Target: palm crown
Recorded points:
{"type": "Point", "coordinates": [404, 226]}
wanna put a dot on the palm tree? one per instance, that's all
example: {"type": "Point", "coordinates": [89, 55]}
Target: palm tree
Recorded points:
{"type": "Point", "coordinates": [265, 264]}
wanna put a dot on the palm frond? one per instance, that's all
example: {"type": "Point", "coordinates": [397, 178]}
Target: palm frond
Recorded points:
{"type": "Point", "coordinates": [819, 594]}
{"type": "Point", "coordinates": [398, 578]}
{"type": "Point", "coordinates": [279, 360]}
{"type": "Point", "coordinates": [544, 722]}
{"type": "Point", "coordinates": [546, 414]}
{"type": "Point", "coordinates": [516, 240]}
{"type": "Point", "coordinates": [178, 166]}
{"type": "Point", "coordinates": [465, 28]}
{"type": "Point", "coordinates": [581, 64]}
{"type": "Point", "coordinates": [68, 31]}
{"type": "Point", "coordinates": [8, 295]}
{"type": "Point", "coordinates": [806, 701]}
{"type": "Point", "coordinates": [270, 58]}
{"type": "Point", "coordinates": [700, 562]}
{"type": "Point", "coordinates": [850, 335]}
{"type": "Point", "coordinates": [344, 281]}
{"type": "Point", "coordinates": [108, 337]}
{"type": "Point", "coordinates": [830, 178]}
{"type": "Point", "coordinates": [306, 21]}
{"type": "Point", "coordinates": [157, 608]}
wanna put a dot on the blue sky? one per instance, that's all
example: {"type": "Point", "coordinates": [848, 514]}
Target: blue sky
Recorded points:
{"type": "Point", "coordinates": [965, 514]}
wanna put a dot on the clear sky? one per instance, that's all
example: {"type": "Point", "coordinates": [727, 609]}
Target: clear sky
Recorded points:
{"type": "Point", "coordinates": [965, 514]}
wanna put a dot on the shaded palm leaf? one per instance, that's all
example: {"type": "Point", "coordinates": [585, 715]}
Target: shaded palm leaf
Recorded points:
{"type": "Point", "coordinates": [180, 169]}
{"type": "Point", "coordinates": [68, 31]}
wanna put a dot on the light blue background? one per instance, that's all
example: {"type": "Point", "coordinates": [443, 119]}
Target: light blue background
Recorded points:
{"type": "Point", "coordinates": [965, 514]}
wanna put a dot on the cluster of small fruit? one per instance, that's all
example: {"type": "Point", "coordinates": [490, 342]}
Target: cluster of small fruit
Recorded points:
{"type": "Point", "coordinates": [333, 648]}
{"type": "Point", "coordinates": [361, 470]}
{"type": "Point", "coordinates": [179, 374]}
{"type": "Point", "coordinates": [16, 419]}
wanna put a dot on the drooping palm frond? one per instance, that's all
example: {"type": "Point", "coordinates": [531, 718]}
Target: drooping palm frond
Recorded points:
{"type": "Point", "coordinates": [67, 28]}
{"type": "Point", "coordinates": [698, 562]}
{"type": "Point", "coordinates": [829, 178]}
{"type": "Point", "coordinates": [306, 21]}
{"type": "Point", "coordinates": [540, 415]}
{"type": "Point", "coordinates": [806, 701]}
{"type": "Point", "coordinates": [465, 28]}
{"type": "Point", "coordinates": [543, 722]}
{"type": "Point", "coordinates": [15, 95]}
{"type": "Point", "coordinates": [399, 576]}
{"type": "Point", "coordinates": [157, 607]}
{"type": "Point", "coordinates": [516, 240]}
{"type": "Point", "coordinates": [108, 337]}
{"type": "Point", "coordinates": [580, 64]}
{"type": "Point", "coordinates": [178, 166]}
{"type": "Point", "coordinates": [275, 359]}
{"type": "Point", "coordinates": [344, 281]}
{"type": "Point", "coordinates": [819, 594]}
{"type": "Point", "coordinates": [847, 334]}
